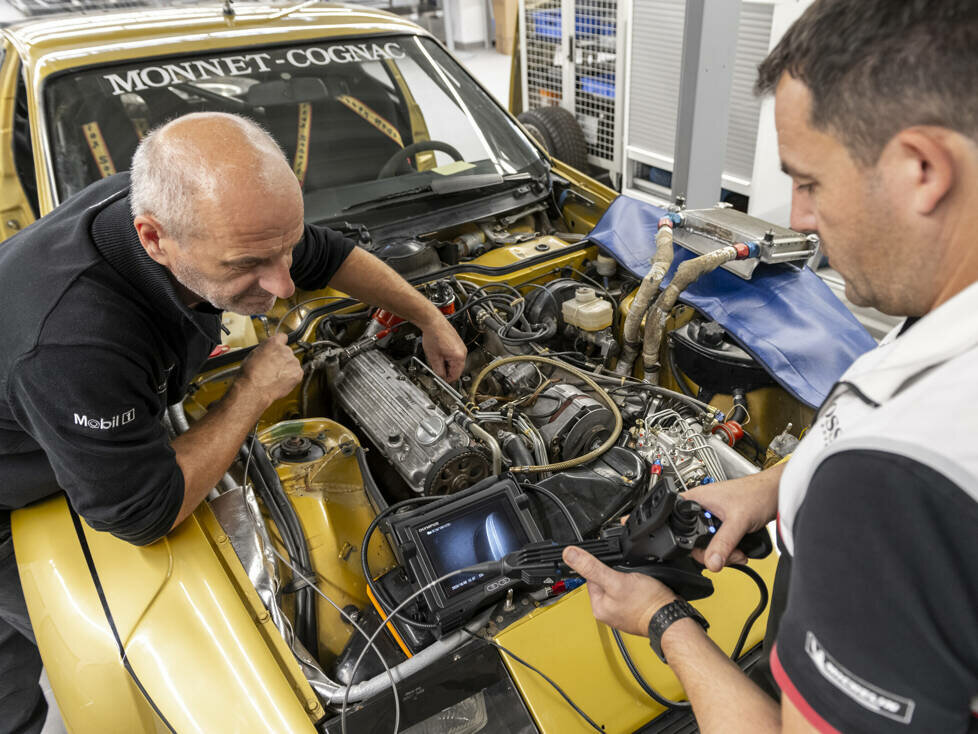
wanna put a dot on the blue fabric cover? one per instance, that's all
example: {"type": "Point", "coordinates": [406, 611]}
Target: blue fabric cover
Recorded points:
{"type": "Point", "coordinates": [786, 317]}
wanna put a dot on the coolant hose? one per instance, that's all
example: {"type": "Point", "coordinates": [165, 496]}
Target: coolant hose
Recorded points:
{"type": "Point", "coordinates": [649, 287]}
{"type": "Point", "coordinates": [516, 450]}
{"type": "Point", "coordinates": [739, 411]}
{"type": "Point", "coordinates": [655, 324]}
{"type": "Point", "coordinates": [600, 391]}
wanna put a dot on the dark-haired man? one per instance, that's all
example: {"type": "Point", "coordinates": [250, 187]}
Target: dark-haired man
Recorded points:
{"type": "Point", "coordinates": [876, 106]}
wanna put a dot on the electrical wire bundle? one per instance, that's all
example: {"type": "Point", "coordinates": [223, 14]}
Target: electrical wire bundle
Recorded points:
{"type": "Point", "coordinates": [501, 308]}
{"type": "Point", "coordinates": [269, 488]}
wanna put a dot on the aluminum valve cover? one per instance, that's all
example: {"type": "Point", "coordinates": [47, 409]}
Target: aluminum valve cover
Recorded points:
{"type": "Point", "coordinates": [398, 417]}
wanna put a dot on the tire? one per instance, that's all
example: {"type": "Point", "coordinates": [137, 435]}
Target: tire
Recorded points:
{"type": "Point", "coordinates": [559, 133]}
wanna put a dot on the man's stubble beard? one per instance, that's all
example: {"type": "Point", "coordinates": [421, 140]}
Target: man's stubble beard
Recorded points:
{"type": "Point", "coordinates": [246, 304]}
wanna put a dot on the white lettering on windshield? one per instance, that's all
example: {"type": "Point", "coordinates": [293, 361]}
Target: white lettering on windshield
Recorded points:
{"type": "Point", "coordinates": [195, 70]}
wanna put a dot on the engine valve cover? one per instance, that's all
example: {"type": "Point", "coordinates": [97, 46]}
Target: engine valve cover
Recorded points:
{"type": "Point", "coordinates": [401, 420]}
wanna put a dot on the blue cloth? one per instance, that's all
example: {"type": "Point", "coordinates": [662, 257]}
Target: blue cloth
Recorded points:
{"type": "Point", "coordinates": [785, 317]}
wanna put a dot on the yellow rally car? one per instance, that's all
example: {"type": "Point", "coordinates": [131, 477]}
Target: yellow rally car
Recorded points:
{"type": "Point", "coordinates": [375, 478]}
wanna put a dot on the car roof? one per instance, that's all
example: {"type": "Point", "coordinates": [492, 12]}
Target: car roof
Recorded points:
{"type": "Point", "coordinates": [53, 43]}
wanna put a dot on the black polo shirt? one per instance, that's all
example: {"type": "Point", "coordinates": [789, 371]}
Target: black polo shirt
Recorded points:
{"type": "Point", "coordinates": [96, 343]}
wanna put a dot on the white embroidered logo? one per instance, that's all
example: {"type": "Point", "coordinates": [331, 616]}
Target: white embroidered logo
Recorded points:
{"type": "Point", "coordinates": [104, 424]}
{"type": "Point", "coordinates": [862, 692]}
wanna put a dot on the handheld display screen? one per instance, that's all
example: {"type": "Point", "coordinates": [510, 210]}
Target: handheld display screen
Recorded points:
{"type": "Point", "coordinates": [480, 532]}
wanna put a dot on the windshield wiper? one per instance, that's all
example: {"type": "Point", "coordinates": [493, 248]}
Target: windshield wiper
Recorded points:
{"type": "Point", "coordinates": [441, 186]}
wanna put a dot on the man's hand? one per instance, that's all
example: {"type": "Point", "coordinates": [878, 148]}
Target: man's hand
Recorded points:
{"type": "Point", "coordinates": [744, 505]}
{"type": "Point", "coordinates": [270, 371]}
{"type": "Point", "coordinates": [444, 349]}
{"type": "Point", "coordinates": [625, 601]}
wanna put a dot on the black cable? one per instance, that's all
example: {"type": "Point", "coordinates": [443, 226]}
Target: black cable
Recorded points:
{"type": "Point", "coordinates": [680, 380]}
{"type": "Point", "coordinates": [543, 675]}
{"type": "Point", "coordinates": [643, 684]}
{"type": "Point", "coordinates": [374, 589]}
{"type": "Point", "coordinates": [560, 506]}
{"type": "Point", "coordinates": [735, 655]}
{"type": "Point", "coordinates": [758, 610]}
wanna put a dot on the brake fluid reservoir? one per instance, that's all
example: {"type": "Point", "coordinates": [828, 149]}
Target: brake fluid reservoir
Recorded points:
{"type": "Point", "coordinates": [588, 312]}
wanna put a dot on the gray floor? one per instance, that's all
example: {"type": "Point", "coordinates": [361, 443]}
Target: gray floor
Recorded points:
{"type": "Point", "coordinates": [490, 68]}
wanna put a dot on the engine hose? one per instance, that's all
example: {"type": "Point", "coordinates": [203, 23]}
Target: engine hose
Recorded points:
{"type": "Point", "coordinates": [655, 324]}
{"type": "Point", "coordinates": [739, 411]}
{"type": "Point", "coordinates": [516, 450]}
{"type": "Point", "coordinates": [649, 287]}
{"type": "Point", "coordinates": [600, 391]}
{"type": "Point", "coordinates": [480, 433]}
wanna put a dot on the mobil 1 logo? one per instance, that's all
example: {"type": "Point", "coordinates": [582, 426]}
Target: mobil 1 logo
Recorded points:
{"type": "Point", "coordinates": [98, 423]}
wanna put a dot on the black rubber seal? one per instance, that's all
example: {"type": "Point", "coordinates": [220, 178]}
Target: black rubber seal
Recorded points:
{"type": "Point", "coordinates": [108, 616]}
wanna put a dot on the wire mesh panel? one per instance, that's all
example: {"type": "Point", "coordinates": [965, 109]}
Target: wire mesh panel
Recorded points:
{"type": "Point", "coordinates": [595, 59]}
{"type": "Point", "coordinates": [544, 55]}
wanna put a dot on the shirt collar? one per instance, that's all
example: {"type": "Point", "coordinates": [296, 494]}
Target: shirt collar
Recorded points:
{"type": "Point", "coordinates": [946, 332]}
{"type": "Point", "coordinates": [118, 242]}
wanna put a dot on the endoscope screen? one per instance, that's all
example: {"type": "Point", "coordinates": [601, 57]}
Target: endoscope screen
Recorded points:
{"type": "Point", "coordinates": [486, 531]}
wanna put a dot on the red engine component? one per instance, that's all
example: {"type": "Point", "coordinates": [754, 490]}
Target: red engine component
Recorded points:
{"type": "Point", "coordinates": [731, 432]}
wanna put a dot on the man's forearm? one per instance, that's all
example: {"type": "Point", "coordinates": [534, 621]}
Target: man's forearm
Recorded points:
{"type": "Point", "coordinates": [367, 279]}
{"type": "Point", "coordinates": [208, 448]}
{"type": "Point", "coordinates": [723, 698]}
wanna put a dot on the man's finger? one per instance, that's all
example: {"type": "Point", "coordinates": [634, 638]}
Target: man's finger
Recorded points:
{"type": "Point", "coordinates": [589, 567]}
{"type": "Point", "coordinates": [724, 544]}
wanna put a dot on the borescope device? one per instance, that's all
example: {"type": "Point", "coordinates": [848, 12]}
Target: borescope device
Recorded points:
{"type": "Point", "coordinates": [491, 532]}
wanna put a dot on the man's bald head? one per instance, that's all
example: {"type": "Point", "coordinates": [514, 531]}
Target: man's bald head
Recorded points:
{"type": "Point", "coordinates": [186, 173]}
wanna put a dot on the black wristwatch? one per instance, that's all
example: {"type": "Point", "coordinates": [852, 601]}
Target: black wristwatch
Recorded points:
{"type": "Point", "coordinates": [666, 616]}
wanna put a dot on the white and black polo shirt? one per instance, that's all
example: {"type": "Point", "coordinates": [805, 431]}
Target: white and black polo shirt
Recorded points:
{"type": "Point", "coordinates": [878, 508]}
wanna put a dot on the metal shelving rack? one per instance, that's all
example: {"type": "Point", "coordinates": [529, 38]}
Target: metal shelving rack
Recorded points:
{"type": "Point", "coordinates": [573, 56]}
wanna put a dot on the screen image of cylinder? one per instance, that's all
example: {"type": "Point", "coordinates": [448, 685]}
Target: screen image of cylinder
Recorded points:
{"type": "Point", "coordinates": [474, 537]}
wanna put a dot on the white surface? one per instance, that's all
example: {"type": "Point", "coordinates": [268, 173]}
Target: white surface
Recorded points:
{"type": "Point", "coordinates": [770, 197]}
{"type": "Point", "coordinates": [469, 20]}
{"type": "Point", "coordinates": [491, 69]}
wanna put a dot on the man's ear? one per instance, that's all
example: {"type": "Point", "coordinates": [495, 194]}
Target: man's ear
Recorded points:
{"type": "Point", "coordinates": [150, 233]}
{"type": "Point", "coordinates": [927, 167]}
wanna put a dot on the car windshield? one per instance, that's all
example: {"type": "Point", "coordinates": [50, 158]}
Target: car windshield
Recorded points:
{"type": "Point", "coordinates": [365, 123]}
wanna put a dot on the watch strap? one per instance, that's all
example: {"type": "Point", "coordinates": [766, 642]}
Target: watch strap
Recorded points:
{"type": "Point", "coordinates": [662, 619]}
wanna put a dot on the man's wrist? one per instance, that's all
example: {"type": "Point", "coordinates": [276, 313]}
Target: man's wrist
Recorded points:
{"type": "Point", "coordinates": [658, 604]}
{"type": "Point", "coordinates": [679, 632]}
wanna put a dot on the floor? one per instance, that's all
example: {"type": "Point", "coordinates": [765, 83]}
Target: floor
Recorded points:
{"type": "Point", "coordinates": [492, 70]}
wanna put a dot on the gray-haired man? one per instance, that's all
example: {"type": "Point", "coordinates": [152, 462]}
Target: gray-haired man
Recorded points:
{"type": "Point", "coordinates": [113, 304]}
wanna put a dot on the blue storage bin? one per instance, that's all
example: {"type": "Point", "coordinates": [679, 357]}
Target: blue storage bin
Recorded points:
{"type": "Point", "coordinates": [547, 24]}
{"type": "Point", "coordinates": [600, 86]}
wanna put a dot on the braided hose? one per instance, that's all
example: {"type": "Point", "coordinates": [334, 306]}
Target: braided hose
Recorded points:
{"type": "Point", "coordinates": [584, 458]}
{"type": "Point", "coordinates": [655, 324]}
{"type": "Point", "coordinates": [647, 290]}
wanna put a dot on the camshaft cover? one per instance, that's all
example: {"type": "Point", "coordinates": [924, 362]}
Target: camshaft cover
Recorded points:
{"type": "Point", "coordinates": [432, 453]}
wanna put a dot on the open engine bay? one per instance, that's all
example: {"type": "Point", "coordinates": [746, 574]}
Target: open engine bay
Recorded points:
{"type": "Point", "coordinates": [376, 471]}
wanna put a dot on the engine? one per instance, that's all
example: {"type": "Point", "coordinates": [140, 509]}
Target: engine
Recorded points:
{"type": "Point", "coordinates": [429, 449]}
